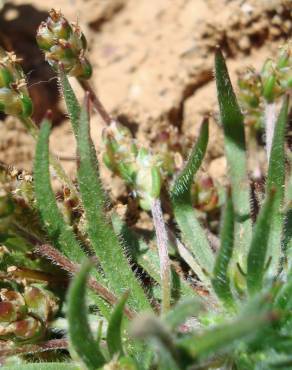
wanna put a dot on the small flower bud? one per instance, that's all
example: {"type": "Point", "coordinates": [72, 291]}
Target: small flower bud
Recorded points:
{"type": "Point", "coordinates": [120, 151]}
{"type": "Point", "coordinates": [250, 86]}
{"type": "Point", "coordinates": [64, 43]}
{"type": "Point", "coordinates": [271, 87]}
{"type": "Point", "coordinates": [14, 97]}
{"type": "Point", "coordinates": [205, 195]}
{"type": "Point", "coordinates": [148, 179]}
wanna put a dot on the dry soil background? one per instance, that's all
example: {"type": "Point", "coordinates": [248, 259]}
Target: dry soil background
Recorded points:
{"type": "Point", "coordinates": [153, 62]}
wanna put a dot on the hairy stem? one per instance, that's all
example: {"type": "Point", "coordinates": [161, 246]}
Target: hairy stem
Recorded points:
{"type": "Point", "coordinates": [51, 345]}
{"type": "Point", "coordinates": [270, 122]}
{"type": "Point", "coordinates": [162, 244]}
{"type": "Point", "coordinates": [97, 104]}
{"type": "Point", "coordinates": [49, 252]}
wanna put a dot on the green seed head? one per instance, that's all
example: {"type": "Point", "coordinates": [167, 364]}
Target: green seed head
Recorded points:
{"type": "Point", "coordinates": [63, 43]}
{"type": "Point", "coordinates": [14, 97]}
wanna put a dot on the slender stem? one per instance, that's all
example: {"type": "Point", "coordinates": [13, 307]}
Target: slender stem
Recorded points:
{"type": "Point", "coordinates": [162, 244]}
{"type": "Point", "coordinates": [49, 252]}
{"type": "Point", "coordinates": [61, 174]}
{"type": "Point", "coordinates": [97, 104]}
{"type": "Point", "coordinates": [270, 122]}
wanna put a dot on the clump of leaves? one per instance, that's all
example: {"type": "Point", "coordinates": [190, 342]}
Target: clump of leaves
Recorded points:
{"type": "Point", "coordinates": [235, 312]}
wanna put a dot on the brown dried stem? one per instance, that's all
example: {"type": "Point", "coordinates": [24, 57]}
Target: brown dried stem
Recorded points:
{"type": "Point", "coordinates": [50, 345]}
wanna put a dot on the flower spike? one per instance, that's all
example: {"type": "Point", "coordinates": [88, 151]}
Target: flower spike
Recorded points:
{"type": "Point", "coordinates": [64, 43]}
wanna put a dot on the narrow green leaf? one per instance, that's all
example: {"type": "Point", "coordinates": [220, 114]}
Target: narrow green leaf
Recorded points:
{"type": "Point", "coordinates": [287, 238]}
{"type": "Point", "coordinates": [256, 261]}
{"type": "Point", "coordinates": [276, 180]}
{"type": "Point", "coordinates": [102, 236]}
{"type": "Point", "coordinates": [73, 107]}
{"type": "Point", "coordinates": [284, 298]}
{"type": "Point", "coordinates": [80, 334]}
{"type": "Point", "coordinates": [287, 232]}
{"type": "Point", "coordinates": [114, 330]}
{"type": "Point", "coordinates": [43, 366]}
{"type": "Point", "coordinates": [183, 182]}
{"type": "Point", "coordinates": [234, 141]}
{"type": "Point", "coordinates": [221, 281]}
{"type": "Point", "coordinates": [59, 231]}
{"type": "Point", "coordinates": [193, 234]}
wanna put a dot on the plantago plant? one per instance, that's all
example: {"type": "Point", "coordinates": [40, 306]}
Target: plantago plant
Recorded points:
{"type": "Point", "coordinates": [81, 290]}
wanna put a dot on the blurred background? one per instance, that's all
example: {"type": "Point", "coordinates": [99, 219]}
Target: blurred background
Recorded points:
{"type": "Point", "coordinates": [153, 65]}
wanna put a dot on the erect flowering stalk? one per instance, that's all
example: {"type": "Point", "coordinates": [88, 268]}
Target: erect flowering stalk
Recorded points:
{"type": "Point", "coordinates": [63, 42]}
{"type": "Point", "coordinates": [162, 244]}
{"type": "Point", "coordinates": [14, 97]}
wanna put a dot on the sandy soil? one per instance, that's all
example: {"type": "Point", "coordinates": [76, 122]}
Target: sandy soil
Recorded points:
{"type": "Point", "coordinates": [153, 63]}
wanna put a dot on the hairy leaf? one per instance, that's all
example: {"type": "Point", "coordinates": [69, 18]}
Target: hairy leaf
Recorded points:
{"type": "Point", "coordinates": [256, 262]}
{"type": "Point", "coordinates": [59, 231]}
{"type": "Point", "coordinates": [102, 236]}
{"type": "Point", "coordinates": [80, 334]}
{"type": "Point", "coordinates": [221, 281]}
{"type": "Point", "coordinates": [276, 180]}
{"type": "Point", "coordinates": [114, 330]}
{"type": "Point", "coordinates": [192, 233]}
{"type": "Point", "coordinates": [234, 141]}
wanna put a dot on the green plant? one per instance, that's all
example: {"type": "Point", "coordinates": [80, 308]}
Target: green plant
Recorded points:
{"type": "Point", "coordinates": [235, 314]}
